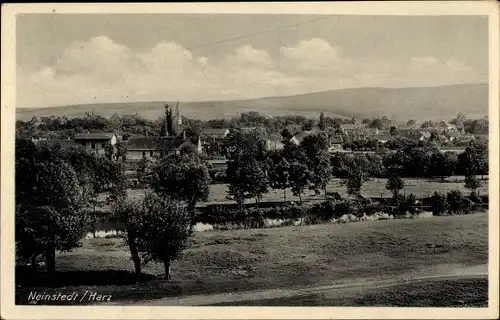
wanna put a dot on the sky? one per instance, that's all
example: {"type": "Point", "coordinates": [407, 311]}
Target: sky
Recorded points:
{"type": "Point", "coordinates": [65, 59]}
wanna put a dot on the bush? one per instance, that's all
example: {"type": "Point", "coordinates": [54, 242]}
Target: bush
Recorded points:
{"type": "Point", "coordinates": [439, 203]}
{"type": "Point", "coordinates": [346, 207]}
{"type": "Point", "coordinates": [455, 201]}
{"type": "Point", "coordinates": [411, 201]}
{"type": "Point", "coordinates": [323, 212]}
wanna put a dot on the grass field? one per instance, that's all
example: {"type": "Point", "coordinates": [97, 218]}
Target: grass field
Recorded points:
{"type": "Point", "coordinates": [372, 188]}
{"type": "Point", "coordinates": [289, 257]}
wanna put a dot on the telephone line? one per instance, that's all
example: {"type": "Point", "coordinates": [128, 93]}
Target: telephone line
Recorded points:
{"type": "Point", "coordinates": [256, 33]}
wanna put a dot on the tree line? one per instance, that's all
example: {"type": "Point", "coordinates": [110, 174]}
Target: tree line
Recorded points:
{"type": "Point", "coordinates": [64, 128]}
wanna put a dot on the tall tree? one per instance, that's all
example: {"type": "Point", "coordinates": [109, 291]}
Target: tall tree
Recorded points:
{"type": "Point", "coordinates": [299, 174]}
{"type": "Point", "coordinates": [279, 172]}
{"type": "Point", "coordinates": [247, 167]}
{"type": "Point", "coordinates": [164, 230]}
{"type": "Point", "coordinates": [394, 181]}
{"type": "Point", "coordinates": [356, 174]}
{"type": "Point", "coordinates": [50, 213]}
{"type": "Point", "coordinates": [128, 213]}
{"type": "Point", "coordinates": [144, 171]}
{"type": "Point", "coordinates": [318, 161]}
{"type": "Point", "coordinates": [443, 164]}
{"type": "Point", "coordinates": [183, 178]}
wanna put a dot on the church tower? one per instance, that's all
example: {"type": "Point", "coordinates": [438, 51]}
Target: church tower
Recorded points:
{"type": "Point", "coordinates": [178, 116]}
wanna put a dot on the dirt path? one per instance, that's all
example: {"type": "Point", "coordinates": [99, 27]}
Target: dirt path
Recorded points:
{"type": "Point", "coordinates": [441, 272]}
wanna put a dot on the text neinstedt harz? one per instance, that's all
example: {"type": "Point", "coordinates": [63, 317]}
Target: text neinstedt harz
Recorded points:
{"type": "Point", "coordinates": [75, 296]}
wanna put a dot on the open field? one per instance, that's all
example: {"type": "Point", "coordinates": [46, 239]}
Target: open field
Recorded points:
{"type": "Point", "coordinates": [291, 259]}
{"type": "Point", "coordinates": [372, 188]}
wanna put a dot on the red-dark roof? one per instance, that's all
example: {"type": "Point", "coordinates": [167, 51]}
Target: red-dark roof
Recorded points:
{"type": "Point", "coordinates": [65, 144]}
{"type": "Point", "coordinates": [94, 136]}
{"type": "Point", "coordinates": [143, 143]}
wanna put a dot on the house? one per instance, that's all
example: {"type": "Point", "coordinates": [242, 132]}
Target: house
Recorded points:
{"type": "Point", "coordinates": [95, 141]}
{"type": "Point", "coordinates": [217, 163]}
{"type": "Point", "coordinates": [130, 117]}
{"type": "Point", "coordinates": [143, 147]}
{"type": "Point", "coordinates": [464, 139]}
{"type": "Point", "coordinates": [445, 126]}
{"type": "Point", "coordinates": [275, 142]}
{"type": "Point", "coordinates": [115, 118]}
{"type": "Point", "coordinates": [176, 145]}
{"type": "Point", "coordinates": [410, 133]}
{"type": "Point", "coordinates": [425, 135]}
{"type": "Point", "coordinates": [64, 120]}
{"type": "Point", "coordinates": [452, 135]}
{"type": "Point", "coordinates": [214, 134]}
{"type": "Point", "coordinates": [291, 130]}
{"type": "Point", "coordinates": [347, 128]}
{"type": "Point", "coordinates": [335, 143]}
{"type": "Point", "coordinates": [246, 130]}
{"type": "Point", "coordinates": [383, 138]}
{"type": "Point", "coordinates": [299, 137]}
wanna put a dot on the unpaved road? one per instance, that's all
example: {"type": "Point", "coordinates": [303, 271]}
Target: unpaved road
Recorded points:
{"type": "Point", "coordinates": [441, 272]}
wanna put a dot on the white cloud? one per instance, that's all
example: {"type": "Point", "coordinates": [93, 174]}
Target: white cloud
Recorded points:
{"type": "Point", "coordinates": [451, 64]}
{"type": "Point", "coordinates": [101, 70]}
{"type": "Point", "coordinates": [315, 54]}
{"type": "Point", "coordinates": [248, 57]}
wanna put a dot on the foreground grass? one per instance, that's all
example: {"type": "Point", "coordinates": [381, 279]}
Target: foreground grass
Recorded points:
{"type": "Point", "coordinates": [242, 260]}
{"type": "Point", "coordinates": [442, 293]}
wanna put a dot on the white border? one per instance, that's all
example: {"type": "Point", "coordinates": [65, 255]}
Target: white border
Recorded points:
{"type": "Point", "coordinates": [10, 311]}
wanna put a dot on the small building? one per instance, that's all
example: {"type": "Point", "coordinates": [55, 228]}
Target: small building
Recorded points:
{"type": "Point", "coordinates": [275, 142]}
{"type": "Point", "coordinates": [246, 130]}
{"type": "Point", "coordinates": [143, 147]}
{"type": "Point", "coordinates": [335, 143]}
{"type": "Point", "coordinates": [452, 135]}
{"type": "Point", "coordinates": [218, 164]}
{"type": "Point", "coordinates": [214, 134]}
{"type": "Point", "coordinates": [291, 130]}
{"type": "Point", "coordinates": [425, 135]}
{"type": "Point", "coordinates": [95, 141]}
{"type": "Point", "coordinates": [383, 138]}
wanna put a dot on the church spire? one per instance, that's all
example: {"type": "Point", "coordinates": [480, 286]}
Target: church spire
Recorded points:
{"type": "Point", "coordinates": [178, 115]}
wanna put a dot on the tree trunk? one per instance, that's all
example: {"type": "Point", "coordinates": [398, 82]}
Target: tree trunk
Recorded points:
{"type": "Point", "coordinates": [94, 223]}
{"type": "Point", "coordinates": [50, 257]}
{"type": "Point", "coordinates": [284, 195]}
{"type": "Point", "coordinates": [326, 195]}
{"type": "Point", "coordinates": [135, 255]}
{"type": "Point", "coordinates": [166, 265]}
{"type": "Point", "coordinates": [33, 261]}
{"type": "Point", "coordinates": [300, 197]}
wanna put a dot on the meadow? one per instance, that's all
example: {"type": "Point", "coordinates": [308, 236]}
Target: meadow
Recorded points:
{"type": "Point", "coordinates": [372, 188]}
{"type": "Point", "coordinates": [288, 259]}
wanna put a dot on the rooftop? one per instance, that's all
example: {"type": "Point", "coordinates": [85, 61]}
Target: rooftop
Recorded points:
{"type": "Point", "coordinates": [94, 136]}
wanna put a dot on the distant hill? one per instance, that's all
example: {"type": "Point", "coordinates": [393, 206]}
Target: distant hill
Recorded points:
{"type": "Point", "coordinates": [421, 103]}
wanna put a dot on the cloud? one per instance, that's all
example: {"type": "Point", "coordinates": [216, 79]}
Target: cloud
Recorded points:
{"type": "Point", "coordinates": [315, 54]}
{"type": "Point", "coordinates": [429, 63]}
{"type": "Point", "coordinates": [247, 56]}
{"type": "Point", "coordinates": [102, 70]}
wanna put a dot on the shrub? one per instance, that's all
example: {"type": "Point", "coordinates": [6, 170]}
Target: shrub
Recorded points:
{"type": "Point", "coordinates": [439, 204]}
{"type": "Point", "coordinates": [411, 201]}
{"type": "Point", "coordinates": [455, 201]}
{"type": "Point", "coordinates": [346, 207]}
{"type": "Point", "coordinates": [323, 211]}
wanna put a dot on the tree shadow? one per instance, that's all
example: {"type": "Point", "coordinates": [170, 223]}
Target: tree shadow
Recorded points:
{"type": "Point", "coordinates": [35, 278]}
